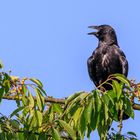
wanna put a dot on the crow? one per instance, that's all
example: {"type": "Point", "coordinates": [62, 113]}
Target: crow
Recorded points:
{"type": "Point", "coordinates": [107, 58]}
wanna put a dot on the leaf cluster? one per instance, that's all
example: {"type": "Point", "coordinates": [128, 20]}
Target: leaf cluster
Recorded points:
{"type": "Point", "coordinates": [78, 116]}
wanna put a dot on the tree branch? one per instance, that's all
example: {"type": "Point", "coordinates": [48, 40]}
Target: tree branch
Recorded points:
{"type": "Point", "coordinates": [47, 99]}
{"type": "Point", "coordinates": [60, 101]}
{"type": "Point", "coordinates": [136, 106]}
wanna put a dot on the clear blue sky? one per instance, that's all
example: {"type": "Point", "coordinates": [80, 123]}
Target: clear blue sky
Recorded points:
{"type": "Point", "coordinates": [48, 40]}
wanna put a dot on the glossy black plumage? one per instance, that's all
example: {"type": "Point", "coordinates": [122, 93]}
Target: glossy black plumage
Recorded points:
{"type": "Point", "coordinates": [107, 58]}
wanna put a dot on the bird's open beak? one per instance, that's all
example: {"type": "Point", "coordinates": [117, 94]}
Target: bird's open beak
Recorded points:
{"type": "Point", "coordinates": [94, 33]}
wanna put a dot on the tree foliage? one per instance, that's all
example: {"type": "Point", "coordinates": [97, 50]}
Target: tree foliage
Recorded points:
{"type": "Point", "coordinates": [41, 117]}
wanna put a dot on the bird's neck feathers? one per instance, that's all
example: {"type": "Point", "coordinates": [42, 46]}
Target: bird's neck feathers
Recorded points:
{"type": "Point", "coordinates": [108, 39]}
{"type": "Point", "coordinates": [108, 42]}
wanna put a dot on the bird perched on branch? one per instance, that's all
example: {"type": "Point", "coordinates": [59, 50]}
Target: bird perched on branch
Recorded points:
{"type": "Point", "coordinates": [107, 58]}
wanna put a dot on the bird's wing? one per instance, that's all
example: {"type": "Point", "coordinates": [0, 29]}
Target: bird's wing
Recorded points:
{"type": "Point", "coordinates": [123, 62]}
{"type": "Point", "coordinates": [91, 69]}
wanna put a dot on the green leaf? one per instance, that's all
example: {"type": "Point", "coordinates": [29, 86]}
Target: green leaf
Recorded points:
{"type": "Point", "coordinates": [68, 129]}
{"type": "Point", "coordinates": [51, 113]}
{"type": "Point", "coordinates": [55, 134]}
{"type": "Point", "coordinates": [2, 136]}
{"type": "Point", "coordinates": [57, 108]}
{"type": "Point", "coordinates": [132, 134]}
{"type": "Point", "coordinates": [77, 115]}
{"type": "Point", "coordinates": [82, 124]}
{"type": "Point", "coordinates": [122, 78]}
{"type": "Point", "coordinates": [106, 113]}
{"type": "Point", "coordinates": [24, 89]}
{"type": "Point", "coordinates": [128, 107]}
{"type": "Point", "coordinates": [72, 97]}
{"type": "Point", "coordinates": [98, 102]}
{"type": "Point", "coordinates": [106, 99]}
{"type": "Point", "coordinates": [43, 136]}
{"type": "Point", "coordinates": [40, 100]}
{"type": "Point", "coordinates": [75, 102]}
{"type": "Point", "coordinates": [15, 124]}
{"type": "Point", "coordinates": [42, 90]}
{"type": "Point", "coordinates": [37, 82]}
{"type": "Point", "coordinates": [16, 111]}
{"type": "Point", "coordinates": [39, 117]}
{"type": "Point", "coordinates": [1, 93]}
{"type": "Point", "coordinates": [88, 111]}
{"type": "Point", "coordinates": [32, 122]}
{"type": "Point", "coordinates": [31, 100]}
{"type": "Point", "coordinates": [71, 109]}
{"type": "Point", "coordinates": [6, 85]}
{"type": "Point", "coordinates": [112, 96]}
{"type": "Point", "coordinates": [1, 64]}
{"type": "Point", "coordinates": [95, 115]}
{"type": "Point", "coordinates": [21, 136]}
{"type": "Point", "coordinates": [117, 88]}
{"type": "Point", "coordinates": [25, 101]}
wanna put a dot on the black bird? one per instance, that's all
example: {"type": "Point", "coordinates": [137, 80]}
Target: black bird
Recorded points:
{"type": "Point", "coordinates": [107, 58]}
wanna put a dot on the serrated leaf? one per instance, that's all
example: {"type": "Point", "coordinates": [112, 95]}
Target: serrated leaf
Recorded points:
{"type": "Point", "coordinates": [77, 115]}
{"type": "Point", "coordinates": [74, 103]}
{"type": "Point", "coordinates": [25, 100]}
{"type": "Point", "coordinates": [95, 115]}
{"type": "Point", "coordinates": [31, 100]}
{"type": "Point", "coordinates": [55, 134]}
{"type": "Point", "coordinates": [15, 124]}
{"type": "Point", "coordinates": [24, 90]}
{"type": "Point", "coordinates": [132, 133]}
{"type": "Point", "coordinates": [82, 124]}
{"type": "Point", "coordinates": [106, 113]}
{"type": "Point", "coordinates": [35, 119]}
{"type": "Point", "coordinates": [122, 78]}
{"type": "Point", "coordinates": [37, 82]}
{"type": "Point", "coordinates": [39, 117]}
{"type": "Point", "coordinates": [117, 88]}
{"type": "Point", "coordinates": [71, 109]}
{"type": "Point", "coordinates": [72, 97]}
{"type": "Point", "coordinates": [25, 111]}
{"type": "Point", "coordinates": [51, 113]}
{"type": "Point", "coordinates": [6, 85]}
{"type": "Point", "coordinates": [16, 111]}
{"type": "Point", "coordinates": [111, 95]}
{"type": "Point", "coordinates": [68, 129]}
{"type": "Point", "coordinates": [21, 136]}
{"type": "Point", "coordinates": [42, 90]}
{"type": "Point", "coordinates": [88, 111]}
{"type": "Point", "coordinates": [32, 120]}
{"type": "Point", "coordinates": [40, 100]}
{"type": "Point", "coordinates": [128, 107]}
{"type": "Point", "coordinates": [106, 99]}
{"type": "Point", "coordinates": [1, 93]}
{"type": "Point", "coordinates": [57, 108]}
{"type": "Point", "coordinates": [98, 102]}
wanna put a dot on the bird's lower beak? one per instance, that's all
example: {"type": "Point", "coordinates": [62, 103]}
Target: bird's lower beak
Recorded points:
{"type": "Point", "coordinates": [93, 33]}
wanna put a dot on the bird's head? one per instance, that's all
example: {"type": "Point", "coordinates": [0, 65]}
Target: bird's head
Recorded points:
{"type": "Point", "coordinates": [104, 33]}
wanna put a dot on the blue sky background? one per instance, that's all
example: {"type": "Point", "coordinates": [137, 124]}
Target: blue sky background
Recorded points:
{"type": "Point", "coordinates": [48, 40]}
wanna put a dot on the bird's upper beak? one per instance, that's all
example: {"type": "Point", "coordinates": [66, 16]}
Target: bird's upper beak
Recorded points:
{"type": "Point", "coordinates": [94, 33]}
